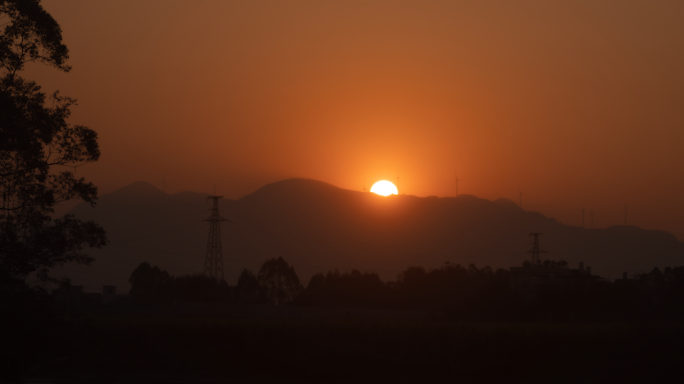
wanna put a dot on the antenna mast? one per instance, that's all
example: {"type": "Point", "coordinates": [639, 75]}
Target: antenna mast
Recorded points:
{"type": "Point", "coordinates": [457, 180]}
{"type": "Point", "coordinates": [582, 217]}
{"type": "Point", "coordinates": [536, 251]}
{"type": "Point", "coordinates": [213, 261]}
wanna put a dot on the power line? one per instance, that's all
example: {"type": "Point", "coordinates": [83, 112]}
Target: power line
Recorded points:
{"type": "Point", "coordinates": [325, 243]}
{"type": "Point", "coordinates": [164, 232]}
{"type": "Point", "coordinates": [373, 247]}
{"type": "Point", "coordinates": [281, 232]}
{"type": "Point", "coordinates": [157, 222]}
{"type": "Point", "coordinates": [297, 265]}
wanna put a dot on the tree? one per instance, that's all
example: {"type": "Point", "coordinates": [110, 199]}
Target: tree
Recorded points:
{"type": "Point", "coordinates": [197, 288]}
{"type": "Point", "coordinates": [149, 283]}
{"type": "Point", "coordinates": [279, 281]}
{"type": "Point", "coordinates": [248, 287]}
{"type": "Point", "coordinates": [347, 290]}
{"type": "Point", "coordinates": [37, 152]}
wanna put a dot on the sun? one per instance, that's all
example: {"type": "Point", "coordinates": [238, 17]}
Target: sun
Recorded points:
{"type": "Point", "coordinates": [384, 188]}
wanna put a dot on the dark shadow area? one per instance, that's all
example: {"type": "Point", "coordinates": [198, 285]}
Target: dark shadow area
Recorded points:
{"type": "Point", "coordinates": [208, 348]}
{"type": "Point", "coordinates": [446, 324]}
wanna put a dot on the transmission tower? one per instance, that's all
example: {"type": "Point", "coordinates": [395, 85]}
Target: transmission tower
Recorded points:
{"type": "Point", "coordinates": [536, 251]}
{"type": "Point", "coordinates": [213, 262]}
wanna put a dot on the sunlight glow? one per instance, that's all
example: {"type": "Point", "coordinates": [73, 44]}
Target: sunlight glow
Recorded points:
{"type": "Point", "coordinates": [384, 188]}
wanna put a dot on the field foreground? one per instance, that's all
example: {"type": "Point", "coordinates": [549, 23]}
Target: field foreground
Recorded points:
{"type": "Point", "coordinates": [213, 348]}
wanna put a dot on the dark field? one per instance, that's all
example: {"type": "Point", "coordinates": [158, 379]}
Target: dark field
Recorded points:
{"type": "Point", "coordinates": [313, 345]}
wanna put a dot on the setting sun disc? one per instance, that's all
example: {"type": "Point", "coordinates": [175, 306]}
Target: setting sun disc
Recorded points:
{"type": "Point", "coordinates": [384, 188]}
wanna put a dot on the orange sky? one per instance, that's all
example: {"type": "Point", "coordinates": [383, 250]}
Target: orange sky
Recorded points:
{"type": "Point", "coordinates": [574, 103]}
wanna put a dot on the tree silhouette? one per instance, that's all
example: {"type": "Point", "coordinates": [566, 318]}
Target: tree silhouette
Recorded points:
{"type": "Point", "coordinates": [35, 142]}
{"type": "Point", "coordinates": [149, 283]}
{"type": "Point", "coordinates": [36, 139]}
{"type": "Point", "coordinates": [153, 285]}
{"type": "Point", "coordinates": [279, 281]}
{"type": "Point", "coordinates": [196, 288]}
{"type": "Point", "coordinates": [350, 289]}
{"type": "Point", "coordinates": [248, 287]}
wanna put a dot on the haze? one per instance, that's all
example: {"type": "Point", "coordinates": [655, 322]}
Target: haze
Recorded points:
{"type": "Point", "coordinates": [573, 103]}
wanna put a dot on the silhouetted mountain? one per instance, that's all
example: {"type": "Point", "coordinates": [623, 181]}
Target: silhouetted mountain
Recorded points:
{"type": "Point", "coordinates": [317, 227]}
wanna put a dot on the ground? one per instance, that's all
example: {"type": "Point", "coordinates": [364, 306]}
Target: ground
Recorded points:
{"type": "Point", "coordinates": [315, 345]}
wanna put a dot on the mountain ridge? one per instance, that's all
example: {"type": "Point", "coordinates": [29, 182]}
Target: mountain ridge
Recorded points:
{"type": "Point", "coordinates": [317, 226]}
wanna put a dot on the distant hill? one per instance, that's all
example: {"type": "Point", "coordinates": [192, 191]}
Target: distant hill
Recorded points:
{"type": "Point", "coordinates": [317, 227]}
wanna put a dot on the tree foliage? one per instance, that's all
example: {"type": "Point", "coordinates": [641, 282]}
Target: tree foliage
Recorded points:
{"type": "Point", "coordinates": [153, 285]}
{"type": "Point", "coordinates": [199, 288]}
{"type": "Point", "coordinates": [279, 281]}
{"type": "Point", "coordinates": [465, 292]}
{"type": "Point", "coordinates": [353, 289]}
{"type": "Point", "coordinates": [149, 283]}
{"type": "Point", "coordinates": [248, 288]}
{"type": "Point", "coordinates": [30, 34]}
{"type": "Point", "coordinates": [38, 151]}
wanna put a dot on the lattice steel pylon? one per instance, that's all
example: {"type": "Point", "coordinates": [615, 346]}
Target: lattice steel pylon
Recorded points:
{"type": "Point", "coordinates": [213, 262]}
{"type": "Point", "coordinates": [536, 251]}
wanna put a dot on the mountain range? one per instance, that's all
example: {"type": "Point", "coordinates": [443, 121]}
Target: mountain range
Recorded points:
{"type": "Point", "coordinates": [318, 227]}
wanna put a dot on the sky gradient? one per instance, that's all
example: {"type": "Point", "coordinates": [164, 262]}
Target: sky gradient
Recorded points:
{"type": "Point", "coordinates": [573, 103]}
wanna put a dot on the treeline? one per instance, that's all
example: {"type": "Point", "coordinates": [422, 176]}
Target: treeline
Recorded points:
{"type": "Point", "coordinates": [462, 293]}
{"type": "Point", "coordinates": [450, 287]}
{"type": "Point", "coordinates": [276, 283]}
{"type": "Point", "coordinates": [656, 294]}
{"type": "Point", "coordinates": [153, 285]}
